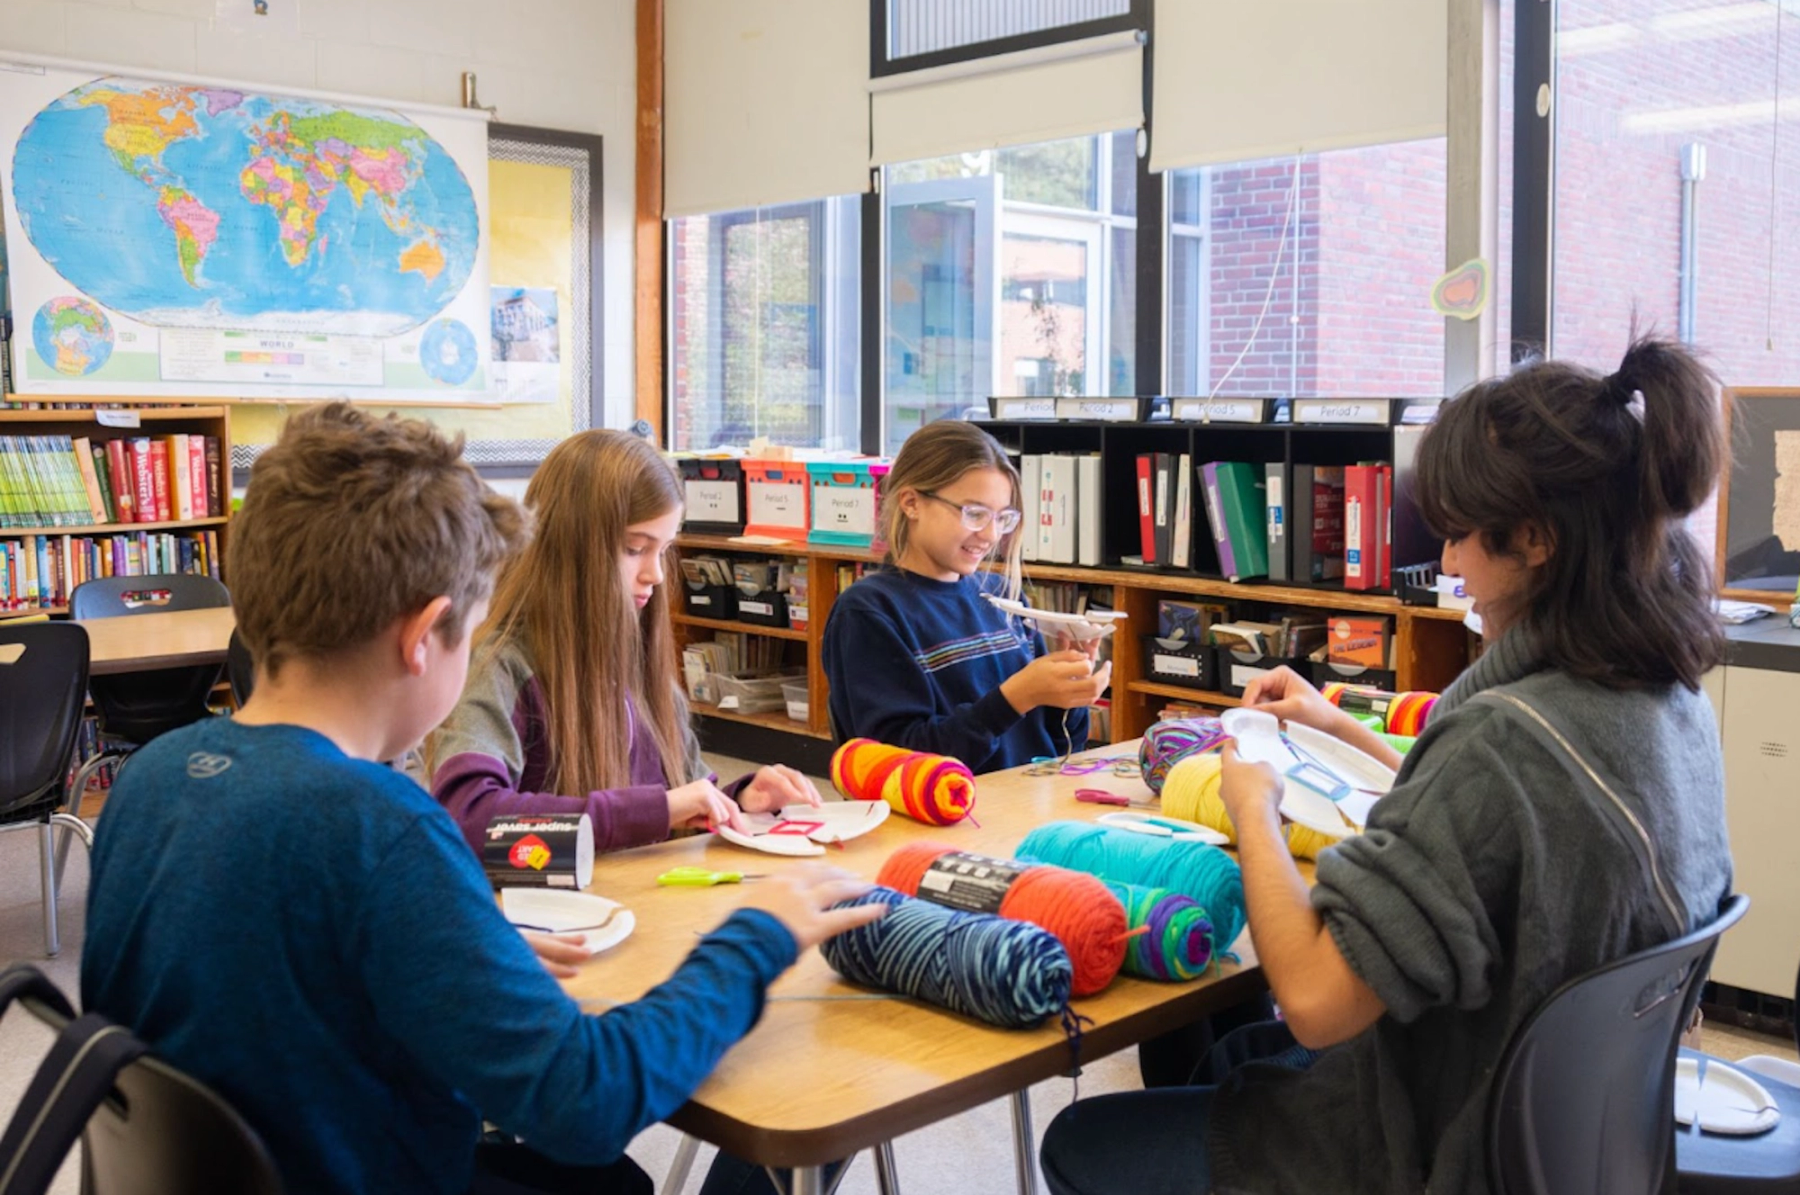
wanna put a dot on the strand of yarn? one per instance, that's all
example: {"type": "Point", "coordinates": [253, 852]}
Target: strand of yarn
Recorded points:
{"type": "Point", "coordinates": [1191, 794]}
{"type": "Point", "coordinates": [1007, 973]}
{"type": "Point", "coordinates": [1088, 920]}
{"type": "Point", "coordinates": [1197, 870]}
{"type": "Point", "coordinates": [935, 789]}
{"type": "Point", "coordinates": [1168, 743]}
{"type": "Point", "coordinates": [1179, 942]}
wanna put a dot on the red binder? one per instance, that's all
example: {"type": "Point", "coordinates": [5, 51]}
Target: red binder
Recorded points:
{"type": "Point", "coordinates": [1362, 526]}
{"type": "Point", "coordinates": [1146, 507]}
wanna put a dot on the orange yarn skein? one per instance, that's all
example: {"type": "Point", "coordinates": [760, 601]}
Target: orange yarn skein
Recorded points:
{"type": "Point", "coordinates": [935, 789]}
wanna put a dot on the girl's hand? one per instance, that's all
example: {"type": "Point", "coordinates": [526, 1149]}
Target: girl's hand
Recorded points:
{"type": "Point", "coordinates": [1063, 641]}
{"type": "Point", "coordinates": [1288, 695]}
{"type": "Point", "coordinates": [1065, 680]}
{"type": "Point", "coordinates": [560, 953]}
{"type": "Point", "coordinates": [801, 898]}
{"type": "Point", "coordinates": [701, 806]}
{"type": "Point", "coordinates": [775, 787]}
{"type": "Point", "coordinates": [1248, 790]}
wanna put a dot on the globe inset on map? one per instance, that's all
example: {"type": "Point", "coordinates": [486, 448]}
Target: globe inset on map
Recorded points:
{"type": "Point", "coordinates": [206, 207]}
{"type": "Point", "coordinates": [72, 336]}
{"type": "Point", "coordinates": [447, 351]}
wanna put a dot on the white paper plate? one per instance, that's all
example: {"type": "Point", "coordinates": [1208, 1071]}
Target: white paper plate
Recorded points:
{"type": "Point", "coordinates": [560, 911]}
{"type": "Point", "coordinates": [1723, 1100]}
{"type": "Point", "coordinates": [1095, 624]}
{"type": "Point", "coordinates": [782, 833]}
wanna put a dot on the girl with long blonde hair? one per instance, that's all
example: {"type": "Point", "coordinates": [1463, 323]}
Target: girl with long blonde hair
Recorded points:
{"type": "Point", "coordinates": [571, 704]}
{"type": "Point", "coordinates": [916, 656]}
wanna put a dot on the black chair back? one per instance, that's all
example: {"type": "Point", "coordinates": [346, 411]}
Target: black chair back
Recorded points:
{"type": "Point", "coordinates": [1584, 1098]}
{"type": "Point", "coordinates": [43, 686]}
{"type": "Point", "coordinates": [138, 706]}
{"type": "Point", "coordinates": [240, 669]}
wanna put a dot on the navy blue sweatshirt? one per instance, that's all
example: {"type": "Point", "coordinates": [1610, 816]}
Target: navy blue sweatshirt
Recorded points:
{"type": "Point", "coordinates": [311, 936]}
{"type": "Point", "coordinates": [918, 663]}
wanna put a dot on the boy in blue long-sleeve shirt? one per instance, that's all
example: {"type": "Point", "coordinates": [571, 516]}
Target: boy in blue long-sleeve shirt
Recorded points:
{"type": "Point", "coordinates": [307, 932]}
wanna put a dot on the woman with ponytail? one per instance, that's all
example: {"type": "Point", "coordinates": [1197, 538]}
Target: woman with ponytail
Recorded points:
{"type": "Point", "coordinates": [1564, 808]}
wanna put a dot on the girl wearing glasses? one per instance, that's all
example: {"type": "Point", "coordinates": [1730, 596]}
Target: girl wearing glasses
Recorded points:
{"type": "Point", "coordinates": [914, 654]}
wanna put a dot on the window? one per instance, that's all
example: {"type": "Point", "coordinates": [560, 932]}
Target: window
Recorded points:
{"type": "Point", "coordinates": [763, 326]}
{"type": "Point", "coordinates": [1309, 275]}
{"type": "Point", "coordinates": [1009, 272]}
{"type": "Point", "coordinates": [911, 34]}
{"type": "Point", "coordinates": [1633, 144]}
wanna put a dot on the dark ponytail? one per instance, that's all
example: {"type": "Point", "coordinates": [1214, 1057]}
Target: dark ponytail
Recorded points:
{"type": "Point", "coordinates": [1609, 468]}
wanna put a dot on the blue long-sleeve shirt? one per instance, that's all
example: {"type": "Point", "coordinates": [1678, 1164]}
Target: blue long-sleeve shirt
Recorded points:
{"type": "Point", "coordinates": [918, 663]}
{"type": "Point", "coordinates": [310, 935]}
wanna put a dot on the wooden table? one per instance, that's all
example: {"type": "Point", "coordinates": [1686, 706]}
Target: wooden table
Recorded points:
{"type": "Point", "coordinates": [819, 1080]}
{"type": "Point", "coordinates": [165, 639]}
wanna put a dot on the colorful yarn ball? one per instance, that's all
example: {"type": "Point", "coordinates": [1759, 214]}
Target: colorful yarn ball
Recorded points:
{"type": "Point", "coordinates": [1409, 713]}
{"type": "Point", "coordinates": [1087, 919]}
{"type": "Point", "coordinates": [1192, 795]}
{"type": "Point", "coordinates": [1197, 870]}
{"type": "Point", "coordinates": [935, 789]}
{"type": "Point", "coordinates": [1167, 743]}
{"type": "Point", "coordinates": [1399, 713]}
{"type": "Point", "coordinates": [1178, 940]}
{"type": "Point", "coordinates": [1007, 973]}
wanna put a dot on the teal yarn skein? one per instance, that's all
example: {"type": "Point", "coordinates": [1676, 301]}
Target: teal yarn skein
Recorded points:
{"type": "Point", "coordinates": [1197, 870]}
{"type": "Point", "coordinates": [1007, 973]}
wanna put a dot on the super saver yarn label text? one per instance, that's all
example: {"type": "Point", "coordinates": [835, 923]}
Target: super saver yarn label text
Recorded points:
{"type": "Point", "coordinates": [973, 883]}
{"type": "Point", "coordinates": [535, 851]}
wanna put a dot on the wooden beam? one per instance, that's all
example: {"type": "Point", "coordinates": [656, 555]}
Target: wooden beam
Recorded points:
{"type": "Point", "coordinates": [647, 322]}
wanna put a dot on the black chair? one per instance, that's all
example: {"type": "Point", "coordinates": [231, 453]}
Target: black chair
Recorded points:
{"type": "Point", "coordinates": [240, 669]}
{"type": "Point", "coordinates": [146, 1128]}
{"type": "Point", "coordinates": [135, 707]}
{"type": "Point", "coordinates": [43, 687]}
{"type": "Point", "coordinates": [1766, 1164]}
{"type": "Point", "coordinates": [1584, 1098]}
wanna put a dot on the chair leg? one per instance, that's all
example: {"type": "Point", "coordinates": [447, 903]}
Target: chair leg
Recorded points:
{"type": "Point", "coordinates": [1024, 1146]}
{"type": "Point", "coordinates": [47, 872]}
{"type": "Point", "coordinates": [77, 791]}
{"type": "Point", "coordinates": [682, 1165]}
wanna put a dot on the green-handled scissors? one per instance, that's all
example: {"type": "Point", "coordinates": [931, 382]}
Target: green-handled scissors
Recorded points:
{"type": "Point", "coordinates": [700, 877]}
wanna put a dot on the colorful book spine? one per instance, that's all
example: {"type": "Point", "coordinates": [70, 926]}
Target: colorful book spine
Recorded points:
{"type": "Point", "coordinates": [1215, 519]}
{"type": "Point", "coordinates": [162, 501]}
{"type": "Point", "coordinates": [1241, 497]}
{"type": "Point", "coordinates": [1362, 538]}
{"type": "Point", "coordinates": [196, 467]}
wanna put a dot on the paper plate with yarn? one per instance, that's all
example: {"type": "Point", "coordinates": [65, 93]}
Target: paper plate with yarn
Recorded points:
{"type": "Point", "coordinates": [1722, 1099]}
{"type": "Point", "coordinates": [1095, 624]}
{"type": "Point", "coordinates": [804, 830]}
{"type": "Point", "coordinates": [603, 923]}
{"type": "Point", "coordinates": [1329, 786]}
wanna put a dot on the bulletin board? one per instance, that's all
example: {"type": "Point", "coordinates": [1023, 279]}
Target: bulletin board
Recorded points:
{"type": "Point", "coordinates": [544, 265]}
{"type": "Point", "coordinates": [1759, 506]}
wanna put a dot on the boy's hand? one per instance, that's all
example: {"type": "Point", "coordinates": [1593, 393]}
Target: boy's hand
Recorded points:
{"type": "Point", "coordinates": [775, 787]}
{"type": "Point", "coordinates": [701, 806]}
{"type": "Point", "coordinates": [560, 953]}
{"type": "Point", "coordinates": [801, 898]}
{"type": "Point", "coordinates": [1065, 680]}
{"type": "Point", "coordinates": [1291, 698]}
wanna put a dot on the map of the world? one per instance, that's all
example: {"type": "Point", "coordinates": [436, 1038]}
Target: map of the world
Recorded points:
{"type": "Point", "coordinates": [204, 207]}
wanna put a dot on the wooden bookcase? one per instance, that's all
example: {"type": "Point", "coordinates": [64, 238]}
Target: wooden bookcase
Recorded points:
{"type": "Point", "coordinates": [157, 420]}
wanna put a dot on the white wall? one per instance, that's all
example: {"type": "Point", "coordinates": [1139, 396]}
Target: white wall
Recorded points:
{"type": "Point", "coordinates": [562, 64]}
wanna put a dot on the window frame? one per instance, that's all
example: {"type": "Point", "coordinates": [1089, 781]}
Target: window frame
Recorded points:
{"type": "Point", "coordinates": [881, 66]}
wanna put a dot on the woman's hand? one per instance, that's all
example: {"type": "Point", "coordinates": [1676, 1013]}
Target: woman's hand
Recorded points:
{"type": "Point", "coordinates": [1291, 698]}
{"type": "Point", "coordinates": [1249, 790]}
{"type": "Point", "coordinates": [701, 806]}
{"type": "Point", "coordinates": [1065, 680]}
{"type": "Point", "coordinates": [776, 787]}
{"type": "Point", "coordinates": [560, 953]}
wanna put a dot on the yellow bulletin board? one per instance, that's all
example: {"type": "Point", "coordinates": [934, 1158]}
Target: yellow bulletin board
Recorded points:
{"type": "Point", "coordinates": [544, 235]}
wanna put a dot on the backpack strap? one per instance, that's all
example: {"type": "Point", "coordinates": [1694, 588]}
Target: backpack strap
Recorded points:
{"type": "Point", "coordinates": [74, 1078]}
{"type": "Point", "coordinates": [23, 979]}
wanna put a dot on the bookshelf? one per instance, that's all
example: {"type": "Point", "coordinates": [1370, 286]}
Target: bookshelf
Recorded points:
{"type": "Point", "coordinates": [99, 425]}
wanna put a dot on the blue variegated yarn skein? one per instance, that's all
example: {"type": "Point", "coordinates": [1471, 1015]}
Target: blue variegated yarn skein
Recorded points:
{"type": "Point", "coordinates": [1007, 973]}
{"type": "Point", "coordinates": [1194, 869]}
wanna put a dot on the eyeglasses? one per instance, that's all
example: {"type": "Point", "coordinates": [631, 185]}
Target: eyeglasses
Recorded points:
{"type": "Point", "coordinates": [976, 517]}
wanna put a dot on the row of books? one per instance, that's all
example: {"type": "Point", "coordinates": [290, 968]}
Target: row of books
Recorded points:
{"type": "Point", "coordinates": [63, 481]}
{"type": "Point", "coordinates": [1313, 523]}
{"type": "Point", "coordinates": [1060, 496]}
{"type": "Point", "coordinates": [38, 572]}
{"type": "Point", "coordinates": [87, 745]}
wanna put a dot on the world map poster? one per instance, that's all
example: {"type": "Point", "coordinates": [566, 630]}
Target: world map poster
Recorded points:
{"type": "Point", "coordinates": [175, 239]}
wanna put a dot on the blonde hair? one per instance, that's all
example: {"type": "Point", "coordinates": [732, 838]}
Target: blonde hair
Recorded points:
{"type": "Point", "coordinates": [936, 456]}
{"type": "Point", "coordinates": [351, 522]}
{"type": "Point", "coordinates": [597, 660]}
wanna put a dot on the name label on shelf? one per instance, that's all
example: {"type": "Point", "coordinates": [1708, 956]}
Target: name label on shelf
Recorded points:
{"type": "Point", "coordinates": [1243, 674]}
{"type": "Point", "coordinates": [1024, 408]}
{"type": "Point", "coordinates": [699, 599]}
{"type": "Point", "coordinates": [118, 419]}
{"type": "Point", "coordinates": [1175, 665]}
{"type": "Point", "coordinates": [766, 609]}
{"type": "Point", "coordinates": [728, 703]}
{"type": "Point", "coordinates": [1110, 410]}
{"type": "Point", "coordinates": [1221, 410]}
{"type": "Point", "coordinates": [712, 501]}
{"type": "Point", "coordinates": [776, 505]}
{"type": "Point", "coordinates": [1341, 410]}
{"type": "Point", "coordinates": [844, 509]}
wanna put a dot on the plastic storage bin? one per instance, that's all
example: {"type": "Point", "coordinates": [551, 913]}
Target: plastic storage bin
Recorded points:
{"type": "Point", "coordinates": [753, 694]}
{"type": "Point", "coordinates": [798, 700]}
{"type": "Point", "coordinates": [714, 494]}
{"type": "Point", "coordinates": [845, 498]}
{"type": "Point", "coordinates": [1183, 662]}
{"type": "Point", "coordinates": [776, 499]}
{"type": "Point", "coordinates": [712, 601]}
{"type": "Point", "coordinates": [767, 609]}
{"type": "Point", "coordinates": [1238, 668]}
{"type": "Point", "coordinates": [1324, 672]}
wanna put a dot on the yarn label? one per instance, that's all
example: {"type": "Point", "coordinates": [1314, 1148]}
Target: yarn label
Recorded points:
{"type": "Point", "coordinates": [539, 850]}
{"type": "Point", "coordinates": [973, 883]}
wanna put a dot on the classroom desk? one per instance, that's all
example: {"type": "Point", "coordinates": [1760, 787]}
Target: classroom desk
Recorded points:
{"type": "Point", "coordinates": [819, 1080]}
{"type": "Point", "coordinates": [165, 639]}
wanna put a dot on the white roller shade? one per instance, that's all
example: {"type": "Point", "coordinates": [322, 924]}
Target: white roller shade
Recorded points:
{"type": "Point", "coordinates": [764, 102]}
{"type": "Point", "coordinates": [1238, 81]}
{"type": "Point", "coordinates": [1091, 86]}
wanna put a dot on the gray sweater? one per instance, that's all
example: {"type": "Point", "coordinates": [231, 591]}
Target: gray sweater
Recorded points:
{"type": "Point", "coordinates": [1495, 870]}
